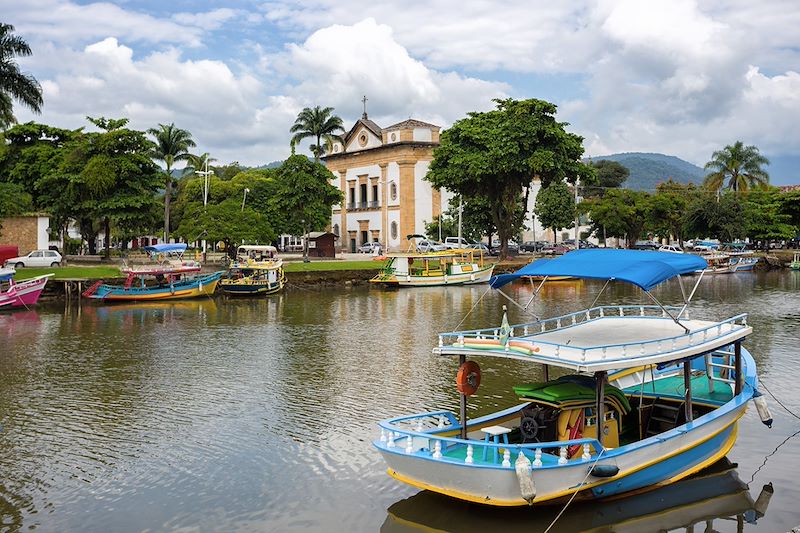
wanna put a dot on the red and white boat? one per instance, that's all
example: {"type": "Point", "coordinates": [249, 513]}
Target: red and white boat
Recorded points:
{"type": "Point", "coordinates": [22, 293]}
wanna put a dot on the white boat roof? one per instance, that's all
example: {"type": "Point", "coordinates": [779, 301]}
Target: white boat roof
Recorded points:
{"type": "Point", "coordinates": [456, 252]}
{"type": "Point", "coordinates": [602, 338]}
{"type": "Point", "coordinates": [257, 248]}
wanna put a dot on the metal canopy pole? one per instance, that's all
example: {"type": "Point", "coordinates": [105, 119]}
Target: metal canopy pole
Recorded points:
{"type": "Point", "coordinates": [666, 311]}
{"type": "Point", "coordinates": [737, 372]}
{"type": "Point", "coordinates": [600, 293]}
{"type": "Point", "coordinates": [687, 384]}
{"type": "Point", "coordinates": [600, 378]}
{"type": "Point", "coordinates": [463, 407]}
{"type": "Point", "coordinates": [688, 300]}
{"type": "Point", "coordinates": [536, 291]}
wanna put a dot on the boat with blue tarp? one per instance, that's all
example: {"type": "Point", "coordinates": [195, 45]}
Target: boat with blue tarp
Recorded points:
{"type": "Point", "coordinates": [653, 396]}
{"type": "Point", "coordinates": [171, 277]}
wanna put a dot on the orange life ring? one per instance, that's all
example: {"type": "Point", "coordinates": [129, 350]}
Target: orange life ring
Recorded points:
{"type": "Point", "coordinates": [469, 378]}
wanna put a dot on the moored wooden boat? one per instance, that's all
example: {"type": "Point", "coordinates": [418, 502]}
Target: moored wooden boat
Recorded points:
{"type": "Point", "coordinates": [656, 396]}
{"type": "Point", "coordinates": [257, 271]}
{"type": "Point", "coordinates": [451, 267]}
{"type": "Point", "coordinates": [167, 286]}
{"type": "Point", "coordinates": [171, 278]}
{"type": "Point", "coordinates": [711, 497]}
{"type": "Point", "coordinates": [20, 293]}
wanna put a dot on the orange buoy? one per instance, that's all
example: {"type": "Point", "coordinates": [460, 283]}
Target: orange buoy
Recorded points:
{"type": "Point", "coordinates": [469, 378]}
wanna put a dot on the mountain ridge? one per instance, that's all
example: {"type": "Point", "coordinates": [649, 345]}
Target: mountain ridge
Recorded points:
{"type": "Point", "coordinates": [648, 169]}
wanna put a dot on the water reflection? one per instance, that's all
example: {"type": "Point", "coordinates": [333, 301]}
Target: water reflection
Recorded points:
{"type": "Point", "coordinates": [715, 495]}
{"type": "Point", "coordinates": [258, 414]}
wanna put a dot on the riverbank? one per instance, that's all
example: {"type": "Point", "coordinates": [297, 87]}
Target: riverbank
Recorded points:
{"type": "Point", "coordinates": [355, 269]}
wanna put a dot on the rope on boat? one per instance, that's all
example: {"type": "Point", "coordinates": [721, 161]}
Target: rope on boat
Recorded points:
{"type": "Point", "coordinates": [787, 439]}
{"type": "Point", "coordinates": [577, 489]}
{"type": "Point", "coordinates": [472, 308]}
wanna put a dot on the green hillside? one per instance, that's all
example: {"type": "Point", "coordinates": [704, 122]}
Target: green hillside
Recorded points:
{"type": "Point", "coordinates": [648, 170]}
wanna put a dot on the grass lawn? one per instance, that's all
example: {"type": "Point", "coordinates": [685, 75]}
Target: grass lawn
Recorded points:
{"type": "Point", "coordinates": [89, 272]}
{"type": "Point", "coordinates": [321, 266]}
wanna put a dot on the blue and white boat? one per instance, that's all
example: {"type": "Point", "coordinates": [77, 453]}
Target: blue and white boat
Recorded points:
{"type": "Point", "coordinates": [666, 390]}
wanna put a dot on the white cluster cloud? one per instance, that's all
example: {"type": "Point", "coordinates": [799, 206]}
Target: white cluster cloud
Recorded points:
{"type": "Point", "coordinates": [673, 76]}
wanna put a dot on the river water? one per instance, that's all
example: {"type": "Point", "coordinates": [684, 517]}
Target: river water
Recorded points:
{"type": "Point", "coordinates": [257, 415]}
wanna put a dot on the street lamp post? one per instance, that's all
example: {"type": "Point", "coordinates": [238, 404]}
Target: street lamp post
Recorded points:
{"type": "Point", "coordinates": [244, 198]}
{"type": "Point", "coordinates": [205, 173]}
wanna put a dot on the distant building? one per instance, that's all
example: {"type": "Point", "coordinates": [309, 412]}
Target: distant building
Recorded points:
{"type": "Point", "coordinates": [28, 232]}
{"type": "Point", "coordinates": [380, 172]}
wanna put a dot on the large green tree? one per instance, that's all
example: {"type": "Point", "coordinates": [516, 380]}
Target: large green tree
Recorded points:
{"type": "Point", "coordinates": [620, 213]}
{"type": "Point", "coordinates": [110, 178]}
{"type": "Point", "coordinates": [15, 84]}
{"type": "Point", "coordinates": [226, 221]}
{"type": "Point", "coordinates": [28, 157]}
{"type": "Point", "coordinates": [495, 155]}
{"type": "Point", "coordinates": [476, 219]}
{"type": "Point", "coordinates": [667, 209]}
{"type": "Point", "coordinates": [723, 219]}
{"type": "Point", "coordinates": [764, 219]}
{"type": "Point", "coordinates": [171, 145]}
{"type": "Point", "coordinates": [555, 207]}
{"type": "Point", "coordinates": [610, 175]}
{"type": "Point", "coordinates": [737, 168]}
{"type": "Point", "coordinates": [317, 123]}
{"type": "Point", "coordinates": [305, 196]}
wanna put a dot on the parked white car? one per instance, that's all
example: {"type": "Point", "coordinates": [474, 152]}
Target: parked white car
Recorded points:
{"type": "Point", "coordinates": [37, 258]}
{"type": "Point", "coordinates": [674, 248]}
{"type": "Point", "coordinates": [425, 246]}
{"type": "Point", "coordinates": [455, 242]}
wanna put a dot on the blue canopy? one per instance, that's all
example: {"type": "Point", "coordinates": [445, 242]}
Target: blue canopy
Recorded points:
{"type": "Point", "coordinates": [642, 268]}
{"type": "Point", "coordinates": [162, 248]}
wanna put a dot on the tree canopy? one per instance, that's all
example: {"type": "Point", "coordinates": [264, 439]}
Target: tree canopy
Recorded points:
{"type": "Point", "coordinates": [740, 165]}
{"type": "Point", "coordinates": [171, 144]}
{"type": "Point", "coordinates": [495, 155]}
{"type": "Point", "coordinates": [610, 175]}
{"type": "Point", "coordinates": [555, 207]}
{"type": "Point", "coordinates": [318, 123]}
{"type": "Point", "coordinates": [14, 84]}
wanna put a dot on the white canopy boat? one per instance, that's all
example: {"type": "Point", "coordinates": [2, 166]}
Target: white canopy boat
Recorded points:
{"type": "Point", "coordinates": [451, 267]}
{"type": "Point", "coordinates": [666, 390]}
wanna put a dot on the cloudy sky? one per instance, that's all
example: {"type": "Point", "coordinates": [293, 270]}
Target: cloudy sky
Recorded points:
{"type": "Point", "coordinates": [676, 76]}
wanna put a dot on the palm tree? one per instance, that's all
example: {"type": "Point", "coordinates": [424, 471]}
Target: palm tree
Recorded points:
{"type": "Point", "coordinates": [318, 123]}
{"type": "Point", "coordinates": [172, 144]}
{"type": "Point", "coordinates": [13, 83]}
{"type": "Point", "coordinates": [740, 165]}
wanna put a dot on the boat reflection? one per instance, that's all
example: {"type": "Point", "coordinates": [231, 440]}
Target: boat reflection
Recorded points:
{"type": "Point", "coordinates": [715, 494]}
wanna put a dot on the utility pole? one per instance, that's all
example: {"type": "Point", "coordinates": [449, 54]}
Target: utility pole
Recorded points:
{"type": "Point", "coordinates": [205, 173]}
{"type": "Point", "coordinates": [460, 208]}
{"type": "Point", "coordinates": [577, 221]}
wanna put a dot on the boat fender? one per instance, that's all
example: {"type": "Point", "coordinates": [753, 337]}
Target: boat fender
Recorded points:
{"type": "Point", "coordinates": [468, 378]}
{"type": "Point", "coordinates": [761, 406]}
{"type": "Point", "coordinates": [760, 506]}
{"type": "Point", "coordinates": [525, 477]}
{"type": "Point", "coordinates": [604, 470]}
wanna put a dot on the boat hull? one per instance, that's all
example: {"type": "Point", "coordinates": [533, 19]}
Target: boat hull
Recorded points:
{"type": "Point", "coordinates": [654, 462]}
{"type": "Point", "coordinates": [466, 278]}
{"type": "Point", "coordinates": [24, 293]}
{"type": "Point", "coordinates": [661, 459]}
{"type": "Point", "coordinates": [201, 286]}
{"type": "Point", "coordinates": [254, 289]}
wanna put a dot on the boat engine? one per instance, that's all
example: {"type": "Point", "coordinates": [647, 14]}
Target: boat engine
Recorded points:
{"type": "Point", "coordinates": [538, 424]}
